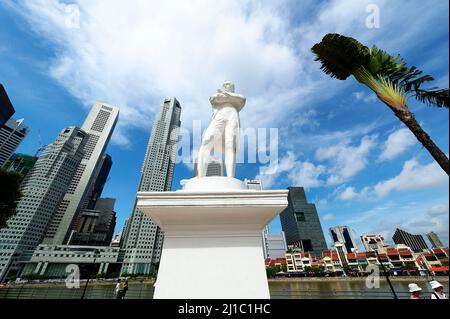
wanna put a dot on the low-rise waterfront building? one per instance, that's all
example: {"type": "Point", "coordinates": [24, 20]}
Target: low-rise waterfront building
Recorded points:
{"type": "Point", "coordinates": [52, 261]}
{"type": "Point", "coordinates": [373, 242]}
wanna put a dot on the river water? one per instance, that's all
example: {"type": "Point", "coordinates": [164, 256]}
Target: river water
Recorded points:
{"type": "Point", "coordinates": [281, 289]}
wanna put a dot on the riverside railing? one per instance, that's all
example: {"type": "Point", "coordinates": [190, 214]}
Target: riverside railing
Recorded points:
{"type": "Point", "coordinates": [146, 292]}
{"type": "Point", "coordinates": [52, 292]}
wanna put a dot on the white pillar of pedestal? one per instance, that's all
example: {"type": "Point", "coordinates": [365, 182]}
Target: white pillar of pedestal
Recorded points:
{"type": "Point", "coordinates": [212, 239]}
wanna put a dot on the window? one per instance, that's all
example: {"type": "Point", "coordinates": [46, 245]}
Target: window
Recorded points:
{"type": "Point", "coordinates": [300, 216]}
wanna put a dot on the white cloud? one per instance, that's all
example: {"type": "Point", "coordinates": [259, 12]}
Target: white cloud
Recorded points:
{"type": "Point", "coordinates": [397, 143]}
{"type": "Point", "coordinates": [348, 194]}
{"type": "Point", "coordinates": [301, 173]}
{"type": "Point", "coordinates": [413, 176]}
{"type": "Point", "coordinates": [328, 217]}
{"type": "Point", "coordinates": [365, 97]}
{"type": "Point", "coordinates": [346, 160]}
{"type": "Point", "coordinates": [269, 174]}
{"type": "Point", "coordinates": [136, 54]}
{"type": "Point", "coordinates": [438, 210]}
{"type": "Point", "coordinates": [306, 174]}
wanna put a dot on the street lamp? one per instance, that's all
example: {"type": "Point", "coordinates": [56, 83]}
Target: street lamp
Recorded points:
{"type": "Point", "coordinates": [96, 252]}
{"type": "Point", "coordinates": [386, 274]}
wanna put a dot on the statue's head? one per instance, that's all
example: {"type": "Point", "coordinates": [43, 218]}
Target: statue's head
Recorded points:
{"type": "Point", "coordinates": [228, 86]}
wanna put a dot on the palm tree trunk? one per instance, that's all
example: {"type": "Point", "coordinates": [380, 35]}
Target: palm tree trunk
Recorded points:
{"type": "Point", "coordinates": [408, 118]}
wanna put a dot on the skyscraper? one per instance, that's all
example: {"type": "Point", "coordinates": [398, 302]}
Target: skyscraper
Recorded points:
{"type": "Point", "coordinates": [6, 107]}
{"type": "Point", "coordinates": [99, 126]}
{"type": "Point", "coordinates": [11, 135]}
{"type": "Point", "coordinates": [214, 168]}
{"type": "Point", "coordinates": [98, 183]}
{"type": "Point", "coordinates": [434, 240]}
{"type": "Point", "coordinates": [301, 224]}
{"type": "Point", "coordinates": [343, 235]}
{"type": "Point", "coordinates": [373, 242]}
{"type": "Point", "coordinates": [415, 242]}
{"type": "Point", "coordinates": [42, 190]}
{"type": "Point", "coordinates": [142, 238]}
{"type": "Point", "coordinates": [95, 227]}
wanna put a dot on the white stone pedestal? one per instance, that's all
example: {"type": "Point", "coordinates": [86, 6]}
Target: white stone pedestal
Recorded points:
{"type": "Point", "coordinates": [212, 242]}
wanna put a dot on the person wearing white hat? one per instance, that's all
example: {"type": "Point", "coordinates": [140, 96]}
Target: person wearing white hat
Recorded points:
{"type": "Point", "coordinates": [415, 291]}
{"type": "Point", "coordinates": [438, 292]}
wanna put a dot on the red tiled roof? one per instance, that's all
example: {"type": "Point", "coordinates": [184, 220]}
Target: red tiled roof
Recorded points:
{"type": "Point", "coordinates": [438, 251]}
{"type": "Point", "coordinates": [334, 256]}
{"type": "Point", "coordinates": [405, 254]}
{"type": "Point", "coordinates": [438, 268]}
{"type": "Point", "coordinates": [280, 261]}
{"type": "Point", "coordinates": [392, 251]}
{"type": "Point", "coordinates": [361, 255]}
{"type": "Point", "coordinates": [351, 256]}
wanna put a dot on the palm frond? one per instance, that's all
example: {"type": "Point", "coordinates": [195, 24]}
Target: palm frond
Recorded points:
{"type": "Point", "coordinates": [435, 97]}
{"type": "Point", "coordinates": [340, 56]}
{"type": "Point", "coordinates": [384, 64]}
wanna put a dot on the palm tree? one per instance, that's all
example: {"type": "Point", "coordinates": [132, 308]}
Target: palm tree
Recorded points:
{"type": "Point", "coordinates": [388, 76]}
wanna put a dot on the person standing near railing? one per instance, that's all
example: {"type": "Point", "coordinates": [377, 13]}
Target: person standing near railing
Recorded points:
{"type": "Point", "coordinates": [124, 289]}
{"type": "Point", "coordinates": [117, 290]}
{"type": "Point", "coordinates": [438, 290]}
{"type": "Point", "coordinates": [415, 290]}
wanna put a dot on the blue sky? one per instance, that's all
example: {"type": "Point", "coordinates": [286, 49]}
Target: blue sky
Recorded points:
{"type": "Point", "coordinates": [358, 163]}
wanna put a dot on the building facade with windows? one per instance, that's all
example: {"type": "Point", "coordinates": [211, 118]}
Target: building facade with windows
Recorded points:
{"type": "Point", "coordinates": [142, 238]}
{"type": "Point", "coordinates": [12, 134]}
{"type": "Point", "coordinates": [373, 242]}
{"type": "Point", "coordinates": [344, 236]}
{"type": "Point", "coordinates": [416, 242]}
{"type": "Point", "coordinates": [42, 191]}
{"type": "Point", "coordinates": [435, 240]}
{"type": "Point", "coordinates": [99, 126]}
{"type": "Point", "coordinates": [301, 224]}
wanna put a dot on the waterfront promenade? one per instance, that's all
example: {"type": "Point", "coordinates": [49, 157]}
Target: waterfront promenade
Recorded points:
{"type": "Point", "coordinates": [280, 288]}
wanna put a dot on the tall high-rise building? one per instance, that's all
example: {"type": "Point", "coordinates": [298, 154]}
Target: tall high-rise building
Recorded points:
{"type": "Point", "coordinates": [42, 190]}
{"type": "Point", "coordinates": [142, 243]}
{"type": "Point", "coordinates": [6, 107]}
{"type": "Point", "coordinates": [373, 242]}
{"type": "Point", "coordinates": [98, 183]}
{"type": "Point", "coordinates": [415, 242]}
{"type": "Point", "coordinates": [99, 126]}
{"type": "Point", "coordinates": [95, 227]}
{"type": "Point", "coordinates": [301, 224]}
{"type": "Point", "coordinates": [343, 235]}
{"type": "Point", "coordinates": [274, 245]}
{"type": "Point", "coordinates": [11, 135]}
{"type": "Point", "coordinates": [214, 168]}
{"type": "Point", "coordinates": [435, 240]}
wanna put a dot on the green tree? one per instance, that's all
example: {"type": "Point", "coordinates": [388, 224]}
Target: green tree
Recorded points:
{"type": "Point", "coordinates": [9, 195]}
{"type": "Point", "coordinates": [388, 76]}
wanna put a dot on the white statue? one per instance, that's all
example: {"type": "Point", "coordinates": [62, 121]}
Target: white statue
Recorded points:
{"type": "Point", "coordinates": [223, 131]}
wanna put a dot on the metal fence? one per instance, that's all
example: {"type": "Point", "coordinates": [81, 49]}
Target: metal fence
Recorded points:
{"type": "Point", "coordinates": [52, 292]}
{"type": "Point", "coordinates": [145, 291]}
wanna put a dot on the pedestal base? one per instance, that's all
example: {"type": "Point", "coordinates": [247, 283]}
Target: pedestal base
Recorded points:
{"type": "Point", "coordinates": [212, 242]}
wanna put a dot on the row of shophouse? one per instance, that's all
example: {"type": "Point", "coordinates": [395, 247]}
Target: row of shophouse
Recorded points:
{"type": "Point", "coordinates": [399, 260]}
